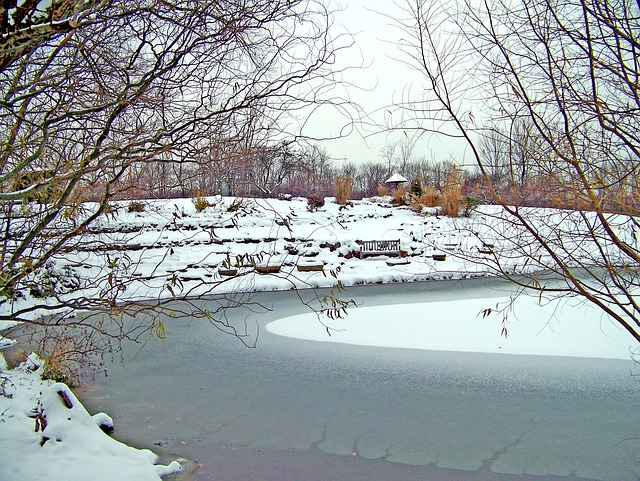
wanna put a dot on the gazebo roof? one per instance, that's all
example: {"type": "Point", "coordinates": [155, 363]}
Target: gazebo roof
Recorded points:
{"type": "Point", "coordinates": [396, 178]}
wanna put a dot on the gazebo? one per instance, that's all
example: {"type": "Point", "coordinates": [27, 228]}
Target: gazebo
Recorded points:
{"type": "Point", "coordinates": [395, 180]}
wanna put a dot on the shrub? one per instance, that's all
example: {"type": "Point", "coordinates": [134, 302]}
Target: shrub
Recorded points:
{"type": "Point", "coordinates": [416, 188]}
{"type": "Point", "coordinates": [344, 186]}
{"type": "Point", "coordinates": [68, 353]}
{"type": "Point", "coordinates": [430, 198]}
{"type": "Point", "coordinates": [314, 202]}
{"type": "Point", "coordinates": [239, 205]}
{"type": "Point", "coordinates": [58, 361]}
{"type": "Point", "coordinates": [49, 280]}
{"type": "Point", "coordinates": [135, 206]}
{"type": "Point", "coordinates": [200, 202]}
{"type": "Point", "coordinates": [382, 190]}
{"type": "Point", "coordinates": [400, 196]}
{"type": "Point", "coordinates": [15, 357]}
{"type": "Point", "coordinates": [469, 205]}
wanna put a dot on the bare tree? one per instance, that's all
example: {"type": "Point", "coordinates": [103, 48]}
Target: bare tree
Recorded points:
{"type": "Point", "coordinates": [565, 73]}
{"type": "Point", "coordinates": [91, 90]}
{"type": "Point", "coordinates": [388, 153]}
{"type": "Point", "coordinates": [318, 172]}
{"type": "Point", "coordinates": [494, 148]}
{"type": "Point", "coordinates": [348, 169]}
{"type": "Point", "coordinates": [270, 167]}
{"type": "Point", "coordinates": [372, 174]}
{"type": "Point", "coordinates": [436, 172]}
{"type": "Point", "coordinates": [406, 147]}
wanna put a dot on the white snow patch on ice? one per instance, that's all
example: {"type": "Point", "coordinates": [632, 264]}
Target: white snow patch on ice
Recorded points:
{"type": "Point", "coordinates": [555, 329]}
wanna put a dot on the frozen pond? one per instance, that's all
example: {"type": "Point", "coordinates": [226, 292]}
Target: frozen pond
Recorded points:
{"type": "Point", "coordinates": [292, 409]}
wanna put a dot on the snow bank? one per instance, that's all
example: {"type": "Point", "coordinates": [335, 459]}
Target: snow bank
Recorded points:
{"type": "Point", "coordinates": [47, 434]}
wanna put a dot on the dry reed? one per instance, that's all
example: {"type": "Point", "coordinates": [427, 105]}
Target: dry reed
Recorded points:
{"type": "Point", "coordinates": [344, 187]}
{"type": "Point", "coordinates": [452, 194]}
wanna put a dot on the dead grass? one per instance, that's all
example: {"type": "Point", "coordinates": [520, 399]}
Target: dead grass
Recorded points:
{"type": "Point", "coordinates": [400, 196]}
{"type": "Point", "coordinates": [200, 202]}
{"type": "Point", "coordinates": [314, 202]}
{"type": "Point", "coordinates": [59, 359]}
{"type": "Point", "coordinates": [344, 187]}
{"type": "Point", "coordinates": [430, 198]}
{"type": "Point", "coordinates": [15, 357]}
{"type": "Point", "coordinates": [382, 190]}
{"type": "Point", "coordinates": [67, 355]}
{"type": "Point", "coordinates": [452, 194]}
{"type": "Point", "coordinates": [136, 206]}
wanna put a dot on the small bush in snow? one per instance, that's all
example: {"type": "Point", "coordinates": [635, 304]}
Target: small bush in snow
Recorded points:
{"type": "Point", "coordinates": [416, 187]}
{"type": "Point", "coordinates": [429, 198]}
{"type": "Point", "coordinates": [400, 196]}
{"type": "Point", "coordinates": [240, 205]}
{"type": "Point", "coordinates": [200, 202]}
{"type": "Point", "coordinates": [314, 202]}
{"type": "Point", "coordinates": [52, 280]}
{"type": "Point", "coordinates": [382, 190]}
{"type": "Point", "coordinates": [14, 358]}
{"type": "Point", "coordinates": [468, 206]}
{"type": "Point", "coordinates": [59, 360]}
{"type": "Point", "coordinates": [135, 206]}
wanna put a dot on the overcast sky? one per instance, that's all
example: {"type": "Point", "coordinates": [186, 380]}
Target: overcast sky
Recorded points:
{"type": "Point", "coordinates": [382, 80]}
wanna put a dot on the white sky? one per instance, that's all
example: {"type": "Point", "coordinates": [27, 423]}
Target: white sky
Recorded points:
{"type": "Point", "coordinates": [382, 80]}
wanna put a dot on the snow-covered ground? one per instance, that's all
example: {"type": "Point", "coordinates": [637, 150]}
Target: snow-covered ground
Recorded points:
{"type": "Point", "coordinates": [170, 241]}
{"type": "Point", "coordinates": [170, 244]}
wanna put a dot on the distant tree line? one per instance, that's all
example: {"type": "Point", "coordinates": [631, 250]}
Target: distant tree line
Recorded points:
{"type": "Point", "coordinates": [516, 173]}
{"type": "Point", "coordinates": [268, 172]}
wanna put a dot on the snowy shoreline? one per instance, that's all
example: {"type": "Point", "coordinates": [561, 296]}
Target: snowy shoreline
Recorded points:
{"type": "Point", "coordinates": [47, 434]}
